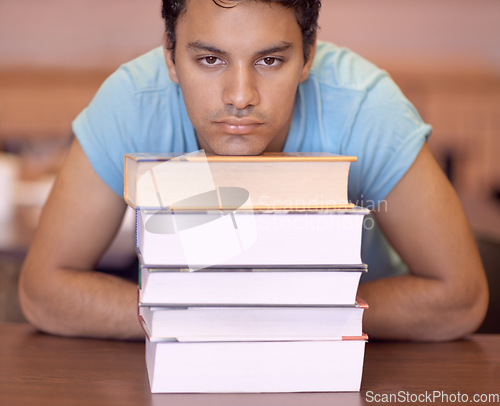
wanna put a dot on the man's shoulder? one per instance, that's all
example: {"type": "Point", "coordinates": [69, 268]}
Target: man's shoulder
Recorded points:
{"type": "Point", "coordinates": [342, 68]}
{"type": "Point", "coordinates": [146, 73]}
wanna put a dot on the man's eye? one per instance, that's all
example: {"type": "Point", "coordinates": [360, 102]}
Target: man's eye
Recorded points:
{"type": "Point", "coordinates": [269, 61]}
{"type": "Point", "coordinates": [210, 60]}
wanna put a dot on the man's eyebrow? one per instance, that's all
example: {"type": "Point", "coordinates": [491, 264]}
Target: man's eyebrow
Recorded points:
{"type": "Point", "coordinates": [201, 46]}
{"type": "Point", "coordinates": [280, 48]}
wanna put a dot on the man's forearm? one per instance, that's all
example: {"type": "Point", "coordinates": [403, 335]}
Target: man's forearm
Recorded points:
{"type": "Point", "coordinates": [83, 304]}
{"type": "Point", "coordinates": [416, 308]}
{"type": "Point", "coordinates": [446, 294]}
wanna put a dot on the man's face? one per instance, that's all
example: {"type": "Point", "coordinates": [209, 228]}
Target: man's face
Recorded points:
{"type": "Point", "coordinates": [239, 69]}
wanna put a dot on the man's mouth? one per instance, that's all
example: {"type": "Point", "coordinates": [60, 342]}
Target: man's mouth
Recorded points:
{"type": "Point", "coordinates": [238, 126]}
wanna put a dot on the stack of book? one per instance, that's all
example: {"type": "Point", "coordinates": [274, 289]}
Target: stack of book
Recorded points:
{"type": "Point", "coordinates": [249, 271]}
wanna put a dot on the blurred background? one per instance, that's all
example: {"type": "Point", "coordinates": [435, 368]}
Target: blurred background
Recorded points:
{"type": "Point", "coordinates": [54, 54]}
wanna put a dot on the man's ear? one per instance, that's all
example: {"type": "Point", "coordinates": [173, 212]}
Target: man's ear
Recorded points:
{"type": "Point", "coordinates": [307, 67]}
{"type": "Point", "coordinates": [168, 53]}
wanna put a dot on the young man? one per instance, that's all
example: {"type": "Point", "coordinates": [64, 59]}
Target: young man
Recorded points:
{"type": "Point", "coordinates": [243, 77]}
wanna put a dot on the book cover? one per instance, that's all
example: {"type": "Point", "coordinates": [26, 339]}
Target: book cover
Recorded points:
{"type": "Point", "coordinates": [248, 238]}
{"type": "Point", "coordinates": [244, 323]}
{"type": "Point", "coordinates": [255, 367]}
{"type": "Point", "coordinates": [268, 181]}
{"type": "Point", "coordinates": [250, 286]}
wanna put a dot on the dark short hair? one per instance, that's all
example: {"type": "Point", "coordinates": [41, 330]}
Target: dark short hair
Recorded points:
{"type": "Point", "coordinates": [306, 13]}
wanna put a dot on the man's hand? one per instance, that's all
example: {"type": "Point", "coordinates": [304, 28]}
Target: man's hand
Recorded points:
{"type": "Point", "coordinates": [58, 289]}
{"type": "Point", "coordinates": [445, 296]}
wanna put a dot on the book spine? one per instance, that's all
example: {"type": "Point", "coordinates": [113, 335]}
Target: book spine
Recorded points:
{"type": "Point", "coordinates": [137, 228]}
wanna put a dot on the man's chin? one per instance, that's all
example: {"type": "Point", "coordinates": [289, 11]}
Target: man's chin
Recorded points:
{"type": "Point", "coordinates": [238, 145]}
{"type": "Point", "coordinates": [238, 153]}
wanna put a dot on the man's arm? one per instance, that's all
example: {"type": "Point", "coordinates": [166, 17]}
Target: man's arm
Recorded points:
{"type": "Point", "coordinates": [58, 289]}
{"type": "Point", "coordinates": [445, 296]}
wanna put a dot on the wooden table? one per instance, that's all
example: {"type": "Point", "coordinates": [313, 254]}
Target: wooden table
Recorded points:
{"type": "Point", "coordinates": [38, 369]}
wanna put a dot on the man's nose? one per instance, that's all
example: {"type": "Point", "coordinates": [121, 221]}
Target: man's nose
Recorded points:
{"type": "Point", "coordinates": [240, 87]}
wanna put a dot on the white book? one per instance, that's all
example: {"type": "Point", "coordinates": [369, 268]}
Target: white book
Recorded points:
{"type": "Point", "coordinates": [268, 323]}
{"type": "Point", "coordinates": [247, 238]}
{"type": "Point", "coordinates": [255, 367]}
{"type": "Point", "coordinates": [250, 286]}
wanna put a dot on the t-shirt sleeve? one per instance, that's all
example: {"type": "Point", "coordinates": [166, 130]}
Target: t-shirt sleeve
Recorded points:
{"type": "Point", "coordinates": [386, 136]}
{"type": "Point", "coordinates": [106, 126]}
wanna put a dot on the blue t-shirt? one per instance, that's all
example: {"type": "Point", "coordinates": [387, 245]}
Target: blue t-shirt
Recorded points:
{"type": "Point", "coordinates": [347, 106]}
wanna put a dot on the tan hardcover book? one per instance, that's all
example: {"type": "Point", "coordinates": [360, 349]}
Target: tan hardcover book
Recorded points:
{"type": "Point", "coordinates": [196, 181]}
